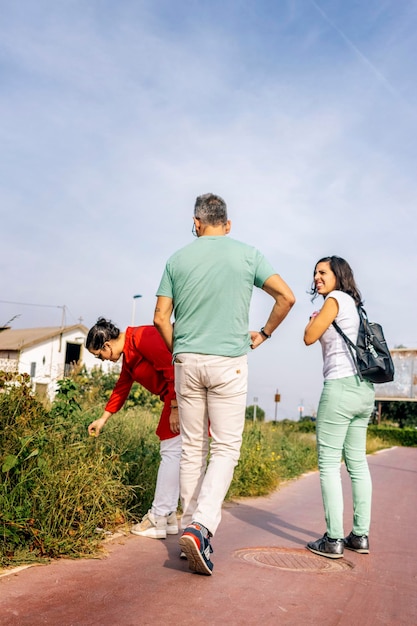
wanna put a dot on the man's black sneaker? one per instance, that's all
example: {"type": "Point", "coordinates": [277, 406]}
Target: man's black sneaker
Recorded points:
{"type": "Point", "coordinates": [331, 548]}
{"type": "Point", "coordinates": [357, 543]}
{"type": "Point", "coordinates": [197, 549]}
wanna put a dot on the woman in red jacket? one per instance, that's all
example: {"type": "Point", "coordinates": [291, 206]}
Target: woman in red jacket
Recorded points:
{"type": "Point", "coordinates": [146, 360]}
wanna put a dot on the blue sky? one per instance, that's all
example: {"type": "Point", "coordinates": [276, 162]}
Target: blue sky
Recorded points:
{"type": "Point", "coordinates": [114, 116]}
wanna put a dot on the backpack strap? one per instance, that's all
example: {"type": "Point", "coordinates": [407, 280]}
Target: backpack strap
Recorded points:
{"type": "Point", "coordinates": [352, 346]}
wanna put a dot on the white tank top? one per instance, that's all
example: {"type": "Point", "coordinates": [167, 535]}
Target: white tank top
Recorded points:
{"type": "Point", "coordinates": [337, 361]}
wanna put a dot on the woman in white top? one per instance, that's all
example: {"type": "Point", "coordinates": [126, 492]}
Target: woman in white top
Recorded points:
{"type": "Point", "coordinates": [345, 407]}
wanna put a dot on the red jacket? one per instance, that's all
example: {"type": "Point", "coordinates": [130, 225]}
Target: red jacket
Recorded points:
{"type": "Point", "coordinates": [146, 360]}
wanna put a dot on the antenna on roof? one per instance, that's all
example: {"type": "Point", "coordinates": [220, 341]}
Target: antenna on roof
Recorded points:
{"type": "Point", "coordinates": [11, 320]}
{"type": "Point", "coordinates": [63, 320]}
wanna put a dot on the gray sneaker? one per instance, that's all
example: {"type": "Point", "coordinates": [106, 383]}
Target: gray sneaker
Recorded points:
{"type": "Point", "coordinates": [357, 543]}
{"type": "Point", "coordinates": [330, 548]}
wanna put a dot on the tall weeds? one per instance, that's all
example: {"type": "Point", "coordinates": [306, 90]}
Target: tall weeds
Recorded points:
{"type": "Point", "coordinates": [271, 454]}
{"type": "Point", "coordinates": [57, 487]}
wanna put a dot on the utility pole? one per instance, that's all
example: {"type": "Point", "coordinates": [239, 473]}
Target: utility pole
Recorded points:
{"type": "Point", "coordinates": [63, 319]}
{"type": "Point", "coordinates": [255, 402]}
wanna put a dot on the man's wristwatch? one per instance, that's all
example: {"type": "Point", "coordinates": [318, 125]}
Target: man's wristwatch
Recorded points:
{"type": "Point", "coordinates": [264, 334]}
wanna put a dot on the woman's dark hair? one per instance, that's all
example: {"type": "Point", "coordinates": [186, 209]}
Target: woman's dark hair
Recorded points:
{"type": "Point", "coordinates": [345, 280]}
{"type": "Point", "coordinates": [102, 331]}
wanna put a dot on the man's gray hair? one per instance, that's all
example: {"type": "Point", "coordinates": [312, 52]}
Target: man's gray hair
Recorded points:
{"type": "Point", "coordinates": [210, 209]}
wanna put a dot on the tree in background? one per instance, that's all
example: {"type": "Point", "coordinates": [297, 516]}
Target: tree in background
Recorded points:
{"type": "Point", "coordinates": [307, 418]}
{"type": "Point", "coordinates": [402, 413]}
{"type": "Point", "coordinates": [260, 413]}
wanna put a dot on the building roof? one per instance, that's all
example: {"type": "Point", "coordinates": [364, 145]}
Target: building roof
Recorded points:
{"type": "Point", "coordinates": [21, 338]}
{"type": "Point", "coordinates": [400, 351]}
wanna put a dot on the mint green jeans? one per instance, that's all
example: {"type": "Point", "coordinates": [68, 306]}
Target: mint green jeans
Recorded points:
{"type": "Point", "coordinates": [342, 420]}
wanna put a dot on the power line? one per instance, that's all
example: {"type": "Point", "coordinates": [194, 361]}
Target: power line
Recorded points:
{"type": "Point", "coordinates": [53, 306]}
{"type": "Point", "coordinates": [50, 306]}
{"type": "Point", "coordinates": [64, 307]}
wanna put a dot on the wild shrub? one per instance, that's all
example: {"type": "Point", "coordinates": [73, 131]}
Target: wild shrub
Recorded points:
{"type": "Point", "coordinates": [130, 436]}
{"type": "Point", "coordinates": [81, 490]}
{"type": "Point", "coordinates": [22, 439]}
{"type": "Point", "coordinates": [270, 453]}
{"type": "Point", "coordinates": [394, 436]}
{"type": "Point", "coordinates": [257, 470]}
{"type": "Point", "coordinates": [94, 388]}
{"type": "Point", "coordinates": [56, 486]}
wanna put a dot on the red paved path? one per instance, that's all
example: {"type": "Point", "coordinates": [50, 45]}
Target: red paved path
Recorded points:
{"type": "Point", "coordinates": [143, 582]}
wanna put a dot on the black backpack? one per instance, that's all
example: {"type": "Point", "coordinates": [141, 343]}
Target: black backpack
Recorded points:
{"type": "Point", "coordinates": [372, 359]}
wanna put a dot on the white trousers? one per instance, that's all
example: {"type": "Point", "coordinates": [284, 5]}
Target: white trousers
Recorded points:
{"type": "Point", "coordinates": [168, 480]}
{"type": "Point", "coordinates": [211, 394]}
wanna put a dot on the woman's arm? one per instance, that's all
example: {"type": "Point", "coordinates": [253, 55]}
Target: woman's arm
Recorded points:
{"type": "Point", "coordinates": [96, 426]}
{"type": "Point", "coordinates": [120, 392]}
{"type": "Point", "coordinates": [321, 321]}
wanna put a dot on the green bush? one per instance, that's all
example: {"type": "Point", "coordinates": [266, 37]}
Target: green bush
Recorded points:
{"type": "Point", "coordinates": [57, 486]}
{"type": "Point", "coordinates": [257, 470]}
{"type": "Point", "coordinates": [395, 436]}
{"type": "Point", "coordinates": [306, 426]}
{"type": "Point", "coordinates": [271, 452]}
{"type": "Point", "coordinates": [130, 436]}
{"type": "Point", "coordinates": [94, 389]}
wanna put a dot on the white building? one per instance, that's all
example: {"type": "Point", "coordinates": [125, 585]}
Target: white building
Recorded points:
{"type": "Point", "coordinates": [46, 354]}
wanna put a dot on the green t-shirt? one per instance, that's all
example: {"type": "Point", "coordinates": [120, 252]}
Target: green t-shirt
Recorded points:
{"type": "Point", "coordinates": [210, 282]}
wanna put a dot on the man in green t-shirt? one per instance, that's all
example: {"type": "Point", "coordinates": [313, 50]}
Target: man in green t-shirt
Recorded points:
{"type": "Point", "coordinates": [208, 287]}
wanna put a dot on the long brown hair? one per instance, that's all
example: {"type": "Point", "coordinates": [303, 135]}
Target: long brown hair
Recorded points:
{"type": "Point", "coordinates": [345, 281]}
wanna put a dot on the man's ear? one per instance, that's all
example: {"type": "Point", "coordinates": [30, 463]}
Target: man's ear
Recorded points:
{"type": "Point", "coordinates": [197, 226]}
{"type": "Point", "coordinates": [228, 226]}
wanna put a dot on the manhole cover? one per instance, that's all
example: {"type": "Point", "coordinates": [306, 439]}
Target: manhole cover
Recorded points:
{"type": "Point", "coordinates": [293, 559]}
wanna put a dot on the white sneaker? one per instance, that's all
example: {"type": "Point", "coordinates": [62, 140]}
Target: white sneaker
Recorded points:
{"type": "Point", "coordinates": [172, 523]}
{"type": "Point", "coordinates": [154, 526]}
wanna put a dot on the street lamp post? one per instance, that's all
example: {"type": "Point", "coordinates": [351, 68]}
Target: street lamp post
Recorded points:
{"type": "Point", "coordinates": [138, 295]}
